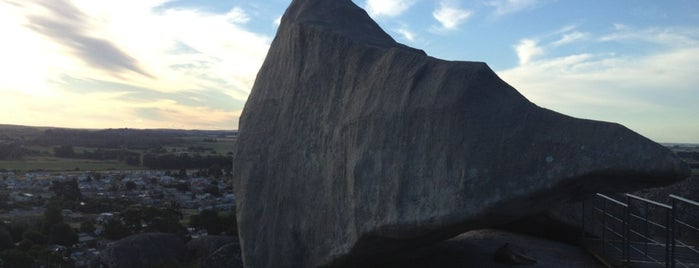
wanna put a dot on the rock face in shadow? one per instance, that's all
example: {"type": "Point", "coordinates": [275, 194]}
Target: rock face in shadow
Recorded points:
{"type": "Point", "coordinates": [145, 250]}
{"type": "Point", "coordinates": [216, 251]}
{"type": "Point", "coordinates": [482, 248]}
{"type": "Point", "coordinates": [353, 147]}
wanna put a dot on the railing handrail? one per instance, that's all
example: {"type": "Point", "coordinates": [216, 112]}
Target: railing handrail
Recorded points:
{"type": "Point", "coordinates": [691, 202]}
{"type": "Point", "coordinates": [613, 200]}
{"type": "Point", "coordinates": [649, 201]}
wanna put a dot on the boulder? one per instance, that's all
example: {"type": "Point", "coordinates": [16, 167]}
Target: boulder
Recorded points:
{"type": "Point", "coordinates": [145, 250]}
{"type": "Point", "coordinates": [206, 245]}
{"type": "Point", "coordinates": [353, 147]}
{"type": "Point", "coordinates": [226, 256]}
{"type": "Point", "coordinates": [493, 248]}
{"type": "Point", "coordinates": [216, 251]}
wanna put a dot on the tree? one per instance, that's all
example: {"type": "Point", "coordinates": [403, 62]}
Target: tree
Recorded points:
{"type": "Point", "coordinates": [87, 226]}
{"type": "Point", "coordinates": [16, 230]}
{"type": "Point", "coordinates": [35, 236]}
{"type": "Point", "coordinates": [195, 221]}
{"type": "Point", "coordinates": [66, 190]}
{"type": "Point", "coordinates": [130, 185]}
{"type": "Point", "coordinates": [182, 186]}
{"type": "Point", "coordinates": [52, 216]}
{"type": "Point", "coordinates": [64, 151]}
{"type": "Point", "coordinates": [5, 239]}
{"type": "Point", "coordinates": [209, 220]}
{"type": "Point", "coordinates": [114, 229]}
{"type": "Point", "coordinates": [16, 258]}
{"type": "Point", "coordinates": [212, 189]}
{"type": "Point", "coordinates": [167, 225]}
{"type": "Point", "coordinates": [230, 222]}
{"type": "Point", "coordinates": [24, 245]}
{"type": "Point", "coordinates": [215, 170]}
{"type": "Point", "coordinates": [63, 234]}
{"type": "Point", "coordinates": [132, 218]}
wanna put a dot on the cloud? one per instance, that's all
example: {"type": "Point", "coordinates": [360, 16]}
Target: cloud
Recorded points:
{"type": "Point", "coordinates": [450, 16]}
{"type": "Point", "coordinates": [90, 56]}
{"type": "Point", "coordinates": [390, 8]}
{"type": "Point", "coordinates": [407, 34]}
{"type": "Point", "coordinates": [653, 94]}
{"type": "Point", "coordinates": [570, 38]}
{"type": "Point", "coordinates": [65, 24]}
{"type": "Point", "coordinates": [527, 50]}
{"type": "Point", "coordinates": [237, 16]}
{"type": "Point", "coordinates": [278, 21]}
{"type": "Point", "coordinates": [672, 37]}
{"type": "Point", "coordinates": [505, 7]}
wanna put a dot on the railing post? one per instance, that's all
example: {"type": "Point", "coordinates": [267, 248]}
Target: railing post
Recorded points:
{"type": "Point", "coordinates": [673, 232]}
{"type": "Point", "coordinates": [646, 231]}
{"type": "Point", "coordinates": [604, 226]}
{"type": "Point", "coordinates": [582, 220]}
{"type": "Point", "coordinates": [668, 237]}
{"type": "Point", "coordinates": [627, 218]}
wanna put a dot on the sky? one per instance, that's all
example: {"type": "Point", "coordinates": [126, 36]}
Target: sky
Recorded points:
{"type": "Point", "coordinates": [191, 64]}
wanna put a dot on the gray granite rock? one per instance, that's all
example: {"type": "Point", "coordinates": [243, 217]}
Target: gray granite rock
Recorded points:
{"type": "Point", "coordinates": [144, 251]}
{"type": "Point", "coordinates": [206, 245]}
{"type": "Point", "coordinates": [216, 251]}
{"type": "Point", "coordinates": [480, 248]}
{"type": "Point", "coordinates": [228, 256]}
{"type": "Point", "coordinates": [353, 147]}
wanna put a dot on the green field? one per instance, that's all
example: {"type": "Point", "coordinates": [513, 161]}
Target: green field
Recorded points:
{"type": "Point", "coordinates": [63, 164]}
{"type": "Point", "coordinates": [57, 149]}
{"type": "Point", "coordinates": [221, 146]}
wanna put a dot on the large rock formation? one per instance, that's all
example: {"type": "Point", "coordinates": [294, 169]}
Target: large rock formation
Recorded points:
{"type": "Point", "coordinates": [353, 147]}
{"type": "Point", "coordinates": [144, 251]}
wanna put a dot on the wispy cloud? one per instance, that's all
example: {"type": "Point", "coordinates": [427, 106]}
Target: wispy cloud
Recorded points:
{"type": "Point", "coordinates": [65, 24]}
{"type": "Point", "coordinates": [194, 56]}
{"type": "Point", "coordinates": [650, 93]}
{"type": "Point", "coordinates": [673, 37]}
{"type": "Point", "coordinates": [570, 38]}
{"type": "Point", "coordinates": [450, 16]}
{"type": "Point", "coordinates": [390, 8]}
{"type": "Point", "coordinates": [505, 7]}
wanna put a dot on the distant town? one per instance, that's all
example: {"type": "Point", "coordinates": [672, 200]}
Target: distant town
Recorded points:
{"type": "Point", "coordinates": [101, 199]}
{"type": "Point", "coordinates": [67, 195]}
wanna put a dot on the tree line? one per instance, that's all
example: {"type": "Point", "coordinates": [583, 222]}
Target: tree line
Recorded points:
{"type": "Point", "coordinates": [187, 161]}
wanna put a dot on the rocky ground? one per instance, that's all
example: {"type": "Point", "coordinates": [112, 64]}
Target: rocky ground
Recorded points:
{"type": "Point", "coordinates": [497, 248]}
{"type": "Point", "coordinates": [479, 248]}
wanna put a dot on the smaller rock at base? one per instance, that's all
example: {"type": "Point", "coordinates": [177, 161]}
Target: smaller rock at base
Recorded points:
{"type": "Point", "coordinates": [508, 254]}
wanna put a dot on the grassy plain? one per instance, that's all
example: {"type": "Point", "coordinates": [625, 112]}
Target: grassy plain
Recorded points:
{"type": "Point", "coordinates": [37, 146]}
{"type": "Point", "coordinates": [222, 146]}
{"type": "Point", "coordinates": [63, 164]}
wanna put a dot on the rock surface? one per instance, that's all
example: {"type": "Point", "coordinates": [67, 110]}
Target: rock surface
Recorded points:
{"type": "Point", "coordinates": [206, 245]}
{"type": "Point", "coordinates": [353, 147]}
{"type": "Point", "coordinates": [216, 251]}
{"type": "Point", "coordinates": [228, 256]}
{"type": "Point", "coordinates": [479, 248]}
{"type": "Point", "coordinates": [145, 250]}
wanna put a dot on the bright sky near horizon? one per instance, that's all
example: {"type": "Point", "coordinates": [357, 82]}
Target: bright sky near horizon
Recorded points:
{"type": "Point", "coordinates": [191, 64]}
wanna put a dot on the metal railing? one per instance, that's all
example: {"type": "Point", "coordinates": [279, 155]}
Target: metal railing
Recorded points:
{"type": "Point", "coordinates": [685, 249]}
{"type": "Point", "coordinates": [641, 232]}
